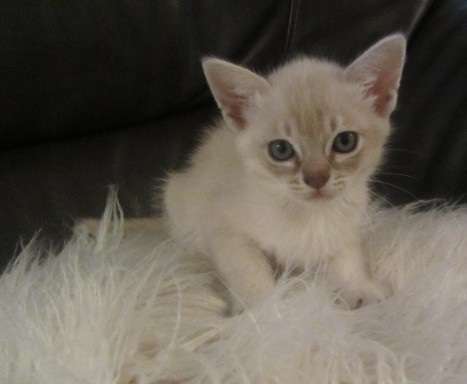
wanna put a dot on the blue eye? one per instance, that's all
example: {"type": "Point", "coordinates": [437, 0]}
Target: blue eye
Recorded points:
{"type": "Point", "coordinates": [345, 142]}
{"type": "Point", "coordinates": [281, 150]}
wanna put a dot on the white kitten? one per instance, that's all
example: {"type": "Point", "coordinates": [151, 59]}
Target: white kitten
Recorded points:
{"type": "Point", "coordinates": [285, 172]}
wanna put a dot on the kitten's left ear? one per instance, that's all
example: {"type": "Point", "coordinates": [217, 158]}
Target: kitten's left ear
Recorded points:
{"type": "Point", "coordinates": [234, 88]}
{"type": "Point", "coordinates": [379, 70]}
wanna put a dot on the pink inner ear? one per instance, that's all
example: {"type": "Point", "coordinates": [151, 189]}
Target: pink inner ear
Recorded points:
{"type": "Point", "coordinates": [234, 106]}
{"type": "Point", "coordinates": [382, 89]}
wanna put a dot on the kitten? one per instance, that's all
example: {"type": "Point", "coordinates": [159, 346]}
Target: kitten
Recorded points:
{"type": "Point", "coordinates": [285, 173]}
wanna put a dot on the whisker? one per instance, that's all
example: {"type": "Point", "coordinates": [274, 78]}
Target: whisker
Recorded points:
{"type": "Point", "coordinates": [395, 187]}
{"type": "Point", "coordinates": [397, 174]}
{"type": "Point", "coordinates": [403, 150]}
{"type": "Point", "coordinates": [382, 198]}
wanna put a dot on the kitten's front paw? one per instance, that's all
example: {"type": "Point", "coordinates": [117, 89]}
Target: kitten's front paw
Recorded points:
{"type": "Point", "coordinates": [369, 293]}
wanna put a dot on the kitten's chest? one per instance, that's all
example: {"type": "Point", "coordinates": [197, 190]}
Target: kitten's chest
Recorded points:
{"type": "Point", "coordinates": [302, 236]}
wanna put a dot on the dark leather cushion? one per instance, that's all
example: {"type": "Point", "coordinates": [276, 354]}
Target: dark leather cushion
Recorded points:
{"type": "Point", "coordinates": [427, 157]}
{"type": "Point", "coordinates": [111, 92]}
{"type": "Point", "coordinates": [72, 68]}
{"type": "Point", "coordinates": [77, 67]}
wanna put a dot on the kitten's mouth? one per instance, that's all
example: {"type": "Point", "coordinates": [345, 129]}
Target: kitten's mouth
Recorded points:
{"type": "Point", "coordinates": [316, 195]}
{"type": "Point", "coordinates": [320, 195]}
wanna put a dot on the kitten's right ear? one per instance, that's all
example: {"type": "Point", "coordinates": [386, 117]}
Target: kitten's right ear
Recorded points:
{"type": "Point", "coordinates": [234, 88]}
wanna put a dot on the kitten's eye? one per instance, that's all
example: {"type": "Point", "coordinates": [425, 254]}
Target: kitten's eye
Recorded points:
{"type": "Point", "coordinates": [281, 150]}
{"type": "Point", "coordinates": [345, 142]}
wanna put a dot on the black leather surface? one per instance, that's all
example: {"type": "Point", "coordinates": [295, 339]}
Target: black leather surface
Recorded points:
{"type": "Point", "coordinates": [102, 92]}
{"type": "Point", "coordinates": [76, 67]}
{"type": "Point", "coordinates": [46, 186]}
{"type": "Point", "coordinates": [428, 154]}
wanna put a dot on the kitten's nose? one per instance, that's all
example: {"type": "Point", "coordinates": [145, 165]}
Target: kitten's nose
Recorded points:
{"type": "Point", "coordinates": [317, 179]}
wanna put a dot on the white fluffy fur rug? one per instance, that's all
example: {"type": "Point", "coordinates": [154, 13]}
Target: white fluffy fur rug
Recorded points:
{"type": "Point", "coordinates": [136, 310]}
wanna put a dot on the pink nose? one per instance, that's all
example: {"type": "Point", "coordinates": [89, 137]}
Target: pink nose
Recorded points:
{"type": "Point", "coordinates": [317, 179]}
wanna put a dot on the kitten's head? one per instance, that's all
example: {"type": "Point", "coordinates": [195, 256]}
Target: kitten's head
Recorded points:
{"type": "Point", "coordinates": [312, 127]}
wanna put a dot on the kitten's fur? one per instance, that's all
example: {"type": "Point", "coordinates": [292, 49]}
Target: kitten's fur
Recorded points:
{"type": "Point", "coordinates": [237, 205]}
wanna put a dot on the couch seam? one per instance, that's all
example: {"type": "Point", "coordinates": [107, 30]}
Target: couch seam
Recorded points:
{"type": "Point", "coordinates": [291, 25]}
{"type": "Point", "coordinates": [422, 11]}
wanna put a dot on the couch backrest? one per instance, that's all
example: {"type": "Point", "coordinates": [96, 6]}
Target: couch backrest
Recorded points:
{"type": "Point", "coordinates": [73, 67]}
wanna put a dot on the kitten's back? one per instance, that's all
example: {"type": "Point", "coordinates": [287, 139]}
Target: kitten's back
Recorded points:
{"type": "Point", "coordinates": [193, 197]}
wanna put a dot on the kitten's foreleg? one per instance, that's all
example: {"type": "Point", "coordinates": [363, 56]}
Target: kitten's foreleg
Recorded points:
{"type": "Point", "coordinates": [349, 272]}
{"type": "Point", "coordinates": [245, 269]}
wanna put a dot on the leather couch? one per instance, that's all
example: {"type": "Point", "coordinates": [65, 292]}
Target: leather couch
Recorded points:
{"type": "Point", "coordinates": [101, 92]}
